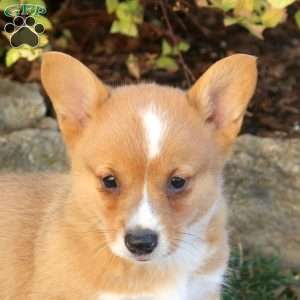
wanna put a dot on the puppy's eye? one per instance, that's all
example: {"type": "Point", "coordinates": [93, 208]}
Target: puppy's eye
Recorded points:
{"type": "Point", "coordinates": [110, 182]}
{"type": "Point", "coordinates": [176, 184]}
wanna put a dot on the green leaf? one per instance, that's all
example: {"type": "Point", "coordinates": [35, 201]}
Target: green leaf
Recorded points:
{"type": "Point", "coordinates": [280, 3]}
{"type": "Point", "coordinates": [44, 21]}
{"type": "Point", "coordinates": [136, 10]}
{"type": "Point", "coordinates": [166, 63]}
{"type": "Point", "coordinates": [244, 8]}
{"type": "Point", "coordinates": [183, 46]}
{"type": "Point", "coordinates": [272, 17]}
{"type": "Point", "coordinates": [123, 13]}
{"type": "Point", "coordinates": [228, 21]}
{"type": "Point", "coordinates": [227, 5]}
{"type": "Point", "coordinates": [297, 18]}
{"type": "Point", "coordinates": [133, 66]}
{"type": "Point", "coordinates": [129, 13]}
{"type": "Point", "coordinates": [112, 5]}
{"type": "Point", "coordinates": [30, 53]}
{"type": "Point", "coordinates": [27, 52]}
{"type": "Point", "coordinates": [115, 27]}
{"type": "Point", "coordinates": [166, 48]}
{"type": "Point", "coordinates": [43, 40]}
{"type": "Point", "coordinates": [12, 56]}
{"type": "Point", "coordinates": [126, 27]}
{"type": "Point", "coordinates": [129, 28]}
{"type": "Point", "coordinates": [130, 10]}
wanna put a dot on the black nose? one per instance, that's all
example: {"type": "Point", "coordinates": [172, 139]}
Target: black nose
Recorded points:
{"type": "Point", "coordinates": [141, 241]}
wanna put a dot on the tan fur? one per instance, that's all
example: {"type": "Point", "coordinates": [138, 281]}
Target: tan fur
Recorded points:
{"type": "Point", "coordinates": [56, 230]}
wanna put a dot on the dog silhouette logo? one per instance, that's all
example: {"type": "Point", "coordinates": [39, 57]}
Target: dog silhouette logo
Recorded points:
{"type": "Point", "coordinates": [24, 31]}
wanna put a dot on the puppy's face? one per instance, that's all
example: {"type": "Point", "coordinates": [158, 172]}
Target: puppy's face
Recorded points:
{"type": "Point", "coordinates": [151, 168]}
{"type": "Point", "coordinates": [147, 159]}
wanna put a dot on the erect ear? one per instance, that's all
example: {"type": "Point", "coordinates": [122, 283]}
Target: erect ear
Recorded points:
{"type": "Point", "coordinates": [74, 90]}
{"type": "Point", "coordinates": [222, 93]}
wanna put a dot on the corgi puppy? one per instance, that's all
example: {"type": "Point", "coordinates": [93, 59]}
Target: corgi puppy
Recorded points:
{"type": "Point", "coordinates": [141, 215]}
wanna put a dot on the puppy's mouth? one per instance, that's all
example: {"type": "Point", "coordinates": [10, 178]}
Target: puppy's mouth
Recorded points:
{"type": "Point", "coordinates": [142, 259]}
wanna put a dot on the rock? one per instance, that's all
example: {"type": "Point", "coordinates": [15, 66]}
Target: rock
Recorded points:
{"type": "Point", "coordinates": [47, 123]}
{"type": "Point", "coordinates": [21, 105]}
{"type": "Point", "coordinates": [32, 150]}
{"type": "Point", "coordinates": [262, 183]}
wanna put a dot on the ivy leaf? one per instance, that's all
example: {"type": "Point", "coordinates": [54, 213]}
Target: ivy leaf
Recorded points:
{"type": "Point", "coordinates": [126, 27]}
{"type": "Point", "coordinates": [111, 5]}
{"type": "Point", "coordinates": [297, 18]}
{"type": "Point", "coordinates": [280, 3]}
{"type": "Point", "coordinates": [166, 48]}
{"type": "Point", "coordinates": [130, 29]}
{"type": "Point", "coordinates": [183, 46]}
{"type": "Point", "coordinates": [166, 63]}
{"type": "Point", "coordinates": [244, 8]}
{"type": "Point", "coordinates": [115, 27]}
{"type": "Point", "coordinates": [123, 12]}
{"type": "Point", "coordinates": [12, 56]}
{"type": "Point", "coordinates": [43, 40]}
{"type": "Point", "coordinates": [133, 66]}
{"type": "Point", "coordinates": [228, 21]}
{"type": "Point", "coordinates": [227, 5]}
{"type": "Point", "coordinates": [136, 11]}
{"type": "Point", "coordinates": [273, 17]}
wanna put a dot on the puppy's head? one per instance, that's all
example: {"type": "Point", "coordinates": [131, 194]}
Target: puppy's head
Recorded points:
{"type": "Point", "coordinates": [146, 159]}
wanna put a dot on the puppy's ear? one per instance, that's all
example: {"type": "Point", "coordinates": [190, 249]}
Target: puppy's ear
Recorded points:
{"type": "Point", "coordinates": [222, 93]}
{"type": "Point", "coordinates": [74, 91]}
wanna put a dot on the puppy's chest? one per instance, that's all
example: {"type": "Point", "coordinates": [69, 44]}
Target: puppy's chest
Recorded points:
{"type": "Point", "coordinates": [165, 292]}
{"type": "Point", "coordinates": [184, 289]}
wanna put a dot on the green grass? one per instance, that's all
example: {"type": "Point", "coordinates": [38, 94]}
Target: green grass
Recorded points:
{"type": "Point", "coordinates": [253, 277]}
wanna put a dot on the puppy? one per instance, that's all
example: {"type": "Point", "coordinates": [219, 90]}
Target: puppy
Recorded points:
{"type": "Point", "coordinates": [141, 215]}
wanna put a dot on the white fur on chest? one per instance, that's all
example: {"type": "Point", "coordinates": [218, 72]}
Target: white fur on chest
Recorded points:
{"type": "Point", "coordinates": [193, 288]}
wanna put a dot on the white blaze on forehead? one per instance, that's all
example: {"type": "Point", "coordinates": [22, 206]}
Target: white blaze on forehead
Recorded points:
{"type": "Point", "coordinates": [154, 129]}
{"type": "Point", "coordinates": [144, 216]}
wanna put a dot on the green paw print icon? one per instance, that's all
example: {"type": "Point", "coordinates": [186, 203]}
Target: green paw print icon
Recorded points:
{"type": "Point", "coordinates": [24, 31]}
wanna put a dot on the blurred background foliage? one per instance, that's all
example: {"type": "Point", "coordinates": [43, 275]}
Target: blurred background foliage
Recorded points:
{"type": "Point", "coordinates": [172, 42]}
{"type": "Point", "coordinates": [127, 15]}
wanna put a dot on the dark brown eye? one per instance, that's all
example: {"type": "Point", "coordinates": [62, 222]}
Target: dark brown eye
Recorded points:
{"type": "Point", "coordinates": [110, 182]}
{"type": "Point", "coordinates": [176, 184]}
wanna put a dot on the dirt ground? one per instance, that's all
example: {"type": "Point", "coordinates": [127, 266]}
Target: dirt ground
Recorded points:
{"type": "Point", "coordinates": [275, 109]}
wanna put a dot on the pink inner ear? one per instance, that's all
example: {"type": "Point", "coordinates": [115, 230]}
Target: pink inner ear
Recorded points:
{"type": "Point", "coordinates": [214, 103]}
{"type": "Point", "coordinates": [75, 109]}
